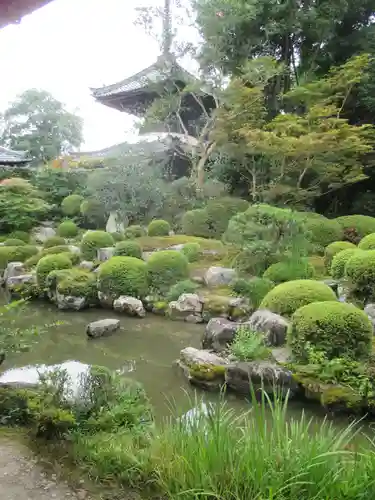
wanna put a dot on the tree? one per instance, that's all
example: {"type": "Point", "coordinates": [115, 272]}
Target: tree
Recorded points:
{"type": "Point", "coordinates": [38, 123]}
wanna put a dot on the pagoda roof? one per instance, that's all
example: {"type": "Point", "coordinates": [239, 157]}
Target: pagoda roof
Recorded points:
{"type": "Point", "coordinates": [10, 157]}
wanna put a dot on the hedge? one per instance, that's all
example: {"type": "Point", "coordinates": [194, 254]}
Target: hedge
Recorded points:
{"type": "Point", "coordinates": [339, 262]}
{"type": "Point", "coordinates": [92, 241]}
{"type": "Point", "coordinates": [123, 276]}
{"type": "Point", "coordinates": [333, 249]}
{"type": "Point", "coordinates": [128, 248]}
{"type": "Point", "coordinates": [158, 228]}
{"type": "Point", "coordinates": [360, 271]}
{"type": "Point", "coordinates": [324, 231]}
{"type": "Point", "coordinates": [165, 268]}
{"type": "Point", "coordinates": [50, 263]}
{"type": "Point", "coordinates": [287, 271]}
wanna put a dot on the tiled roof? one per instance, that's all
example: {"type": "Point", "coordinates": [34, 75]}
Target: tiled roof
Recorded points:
{"type": "Point", "coordinates": [8, 156]}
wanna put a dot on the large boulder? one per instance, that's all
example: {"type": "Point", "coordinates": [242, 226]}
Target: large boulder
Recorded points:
{"type": "Point", "coordinates": [203, 368]}
{"type": "Point", "coordinates": [86, 264]}
{"type": "Point", "coordinates": [74, 249]}
{"type": "Point", "coordinates": [104, 254]}
{"type": "Point", "coordinates": [218, 334]}
{"type": "Point", "coordinates": [103, 327]}
{"type": "Point", "coordinates": [105, 300]}
{"type": "Point", "coordinates": [219, 276]}
{"type": "Point", "coordinates": [370, 311]}
{"type": "Point", "coordinates": [272, 325]}
{"type": "Point", "coordinates": [243, 376]}
{"type": "Point", "coordinates": [188, 307]}
{"type": "Point", "coordinates": [130, 306]}
{"type": "Point", "coordinates": [22, 285]}
{"type": "Point", "coordinates": [13, 269]}
{"type": "Point", "coordinates": [69, 302]}
{"type": "Point", "coordinates": [43, 233]}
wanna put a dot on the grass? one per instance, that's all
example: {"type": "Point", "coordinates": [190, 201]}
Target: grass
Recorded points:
{"type": "Point", "coordinates": [149, 243]}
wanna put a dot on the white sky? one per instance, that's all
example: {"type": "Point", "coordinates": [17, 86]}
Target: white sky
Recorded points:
{"type": "Point", "coordinates": [71, 45]}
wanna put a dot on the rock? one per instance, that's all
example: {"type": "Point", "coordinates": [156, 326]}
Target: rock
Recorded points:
{"type": "Point", "coordinates": [130, 306]}
{"type": "Point", "coordinates": [114, 224]}
{"type": "Point", "coordinates": [239, 309]}
{"type": "Point", "coordinates": [102, 327]}
{"type": "Point", "coordinates": [105, 301]}
{"type": "Point", "coordinates": [216, 306]}
{"type": "Point", "coordinates": [243, 376]}
{"type": "Point", "coordinates": [332, 284]}
{"type": "Point", "coordinates": [203, 368]}
{"type": "Point", "coordinates": [42, 233]}
{"type": "Point", "coordinates": [74, 249]}
{"type": "Point", "coordinates": [87, 264]}
{"type": "Point", "coordinates": [69, 302]}
{"type": "Point", "coordinates": [282, 354]}
{"type": "Point", "coordinates": [23, 286]}
{"type": "Point", "coordinates": [104, 254]}
{"type": "Point", "coordinates": [192, 318]}
{"type": "Point", "coordinates": [218, 334]}
{"type": "Point", "coordinates": [15, 281]}
{"type": "Point", "coordinates": [343, 292]}
{"type": "Point", "coordinates": [13, 269]}
{"type": "Point", "coordinates": [146, 255]}
{"type": "Point", "coordinates": [272, 325]}
{"type": "Point", "coordinates": [370, 311]}
{"type": "Point", "coordinates": [178, 247]}
{"type": "Point", "coordinates": [219, 276]}
{"type": "Point", "coordinates": [188, 304]}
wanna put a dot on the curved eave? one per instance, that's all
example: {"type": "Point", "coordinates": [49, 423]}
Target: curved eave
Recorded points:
{"type": "Point", "coordinates": [12, 11]}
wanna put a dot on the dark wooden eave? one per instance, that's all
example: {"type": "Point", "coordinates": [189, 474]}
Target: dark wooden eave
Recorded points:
{"type": "Point", "coordinates": [12, 158]}
{"type": "Point", "coordinates": [12, 11]}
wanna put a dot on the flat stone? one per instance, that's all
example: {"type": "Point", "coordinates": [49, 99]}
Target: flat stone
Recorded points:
{"type": "Point", "coordinates": [14, 269]}
{"type": "Point", "coordinates": [69, 302]}
{"type": "Point", "coordinates": [104, 254]}
{"type": "Point", "coordinates": [272, 325]}
{"type": "Point", "coordinates": [87, 264]}
{"type": "Point", "coordinates": [218, 334]}
{"type": "Point", "coordinates": [130, 306]}
{"type": "Point", "coordinates": [203, 368]}
{"type": "Point", "coordinates": [281, 354]}
{"type": "Point", "coordinates": [102, 327]}
{"type": "Point", "coordinates": [219, 276]}
{"type": "Point", "coordinates": [42, 233]}
{"type": "Point", "coordinates": [74, 249]}
{"type": "Point", "coordinates": [187, 304]}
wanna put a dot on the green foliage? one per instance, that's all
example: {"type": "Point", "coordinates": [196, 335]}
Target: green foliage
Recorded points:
{"type": "Point", "coordinates": [123, 276]}
{"type": "Point", "coordinates": [192, 251]}
{"type": "Point", "coordinates": [363, 224]}
{"type": "Point", "coordinates": [368, 242]}
{"type": "Point", "coordinates": [58, 183]}
{"type": "Point", "coordinates": [117, 236]}
{"type": "Point", "coordinates": [286, 298]}
{"type": "Point", "coordinates": [248, 345]}
{"type": "Point", "coordinates": [360, 270]}
{"type": "Point", "coordinates": [16, 254]}
{"type": "Point", "coordinates": [334, 328]}
{"type": "Point", "coordinates": [185, 286]}
{"type": "Point", "coordinates": [92, 241]}
{"type": "Point", "coordinates": [50, 263]}
{"type": "Point", "coordinates": [333, 249]}
{"type": "Point", "coordinates": [14, 243]}
{"type": "Point", "coordinates": [78, 283]}
{"type": "Point", "coordinates": [339, 262]}
{"type": "Point", "coordinates": [54, 241]}
{"type": "Point", "coordinates": [71, 205]}
{"type": "Point", "coordinates": [290, 270]}
{"type": "Point", "coordinates": [128, 248]}
{"type": "Point", "coordinates": [33, 261]}
{"type": "Point", "coordinates": [196, 223]}
{"type": "Point", "coordinates": [158, 228]}
{"type": "Point", "coordinates": [67, 229]}
{"type": "Point", "coordinates": [132, 232]}
{"type": "Point", "coordinates": [220, 211]}
{"type": "Point", "coordinates": [20, 235]}
{"type": "Point", "coordinates": [254, 289]}
{"type": "Point", "coordinates": [94, 212]}
{"type": "Point", "coordinates": [165, 268]}
{"type": "Point", "coordinates": [323, 231]}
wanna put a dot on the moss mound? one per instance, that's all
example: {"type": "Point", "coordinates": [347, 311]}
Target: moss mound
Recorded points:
{"type": "Point", "coordinates": [117, 236]}
{"type": "Point", "coordinates": [50, 263]}
{"type": "Point", "coordinates": [287, 271]}
{"type": "Point", "coordinates": [158, 228]}
{"type": "Point", "coordinates": [54, 241]}
{"type": "Point", "coordinates": [128, 248]}
{"type": "Point", "coordinates": [71, 205]}
{"type": "Point", "coordinates": [78, 283]}
{"type": "Point", "coordinates": [16, 254]}
{"type": "Point", "coordinates": [93, 241]}
{"type": "Point", "coordinates": [363, 224]}
{"type": "Point", "coordinates": [13, 242]}
{"type": "Point", "coordinates": [286, 298]}
{"type": "Point", "coordinates": [333, 249]}
{"type": "Point", "coordinates": [368, 242]}
{"type": "Point", "coordinates": [339, 262]}
{"type": "Point", "coordinates": [192, 251]}
{"type": "Point", "coordinates": [166, 268]}
{"type": "Point", "coordinates": [323, 231]}
{"type": "Point", "coordinates": [337, 329]}
{"type": "Point", "coordinates": [134, 231]}
{"type": "Point", "coordinates": [67, 229]}
{"type": "Point", "coordinates": [123, 276]}
{"type": "Point", "coordinates": [20, 235]}
{"type": "Point", "coordinates": [195, 223]}
{"type": "Point", "coordinates": [360, 270]}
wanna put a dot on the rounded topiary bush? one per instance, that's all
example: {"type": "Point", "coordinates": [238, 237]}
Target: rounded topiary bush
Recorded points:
{"type": "Point", "coordinates": [287, 271]}
{"type": "Point", "coordinates": [16, 254]}
{"type": "Point", "coordinates": [287, 297]}
{"type": "Point", "coordinates": [93, 212]}
{"type": "Point", "coordinates": [123, 276]}
{"type": "Point", "coordinates": [335, 328]}
{"type": "Point", "coordinates": [128, 248]}
{"type": "Point", "coordinates": [92, 241]}
{"type": "Point", "coordinates": [360, 270]}
{"type": "Point", "coordinates": [254, 289]}
{"type": "Point", "coordinates": [134, 231]}
{"type": "Point", "coordinates": [20, 235]}
{"type": "Point", "coordinates": [165, 268]}
{"type": "Point", "coordinates": [221, 210]}
{"type": "Point", "coordinates": [195, 223]}
{"type": "Point", "coordinates": [71, 205]}
{"type": "Point", "coordinates": [78, 283]}
{"type": "Point", "coordinates": [192, 251]}
{"type": "Point", "coordinates": [362, 224]}
{"type": "Point", "coordinates": [67, 229]}
{"type": "Point", "coordinates": [54, 241]}
{"type": "Point", "coordinates": [117, 236]}
{"type": "Point", "coordinates": [368, 242]}
{"type": "Point", "coordinates": [50, 263]}
{"type": "Point", "coordinates": [323, 231]}
{"type": "Point", "coordinates": [14, 243]}
{"type": "Point", "coordinates": [339, 262]}
{"type": "Point", "coordinates": [158, 228]}
{"type": "Point", "coordinates": [185, 286]}
{"type": "Point", "coordinates": [333, 249]}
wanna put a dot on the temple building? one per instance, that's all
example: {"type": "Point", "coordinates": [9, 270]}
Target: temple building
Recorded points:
{"type": "Point", "coordinates": [10, 158]}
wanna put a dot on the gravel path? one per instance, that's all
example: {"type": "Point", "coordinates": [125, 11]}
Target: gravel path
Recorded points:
{"type": "Point", "coordinates": [23, 478]}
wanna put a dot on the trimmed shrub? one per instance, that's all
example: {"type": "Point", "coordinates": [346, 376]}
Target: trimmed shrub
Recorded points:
{"type": "Point", "coordinates": [337, 329]}
{"type": "Point", "coordinates": [94, 212]}
{"type": "Point", "coordinates": [74, 257]}
{"type": "Point", "coordinates": [128, 248]}
{"type": "Point", "coordinates": [192, 251]}
{"type": "Point", "coordinates": [339, 262]}
{"type": "Point", "coordinates": [323, 231]}
{"type": "Point", "coordinates": [287, 271]}
{"type": "Point", "coordinates": [158, 228]}
{"type": "Point", "coordinates": [117, 236]}
{"type": "Point", "coordinates": [368, 242]}
{"type": "Point", "coordinates": [185, 286]}
{"type": "Point", "coordinates": [360, 270]}
{"type": "Point", "coordinates": [54, 241]}
{"type": "Point", "coordinates": [165, 268]}
{"type": "Point", "coordinates": [78, 283]}
{"type": "Point", "coordinates": [363, 224]}
{"type": "Point", "coordinates": [221, 210]}
{"type": "Point", "coordinates": [286, 298]}
{"type": "Point", "coordinates": [123, 276]}
{"type": "Point", "coordinates": [71, 205]}
{"type": "Point", "coordinates": [14, 243]}
{"type": "Point", "coordinates": [333, 249]}
{"type": "Point", "coordinates": [33, 261]}
{"type": "Point", "coordinates": [92, 241]}
{"type": "Point", "coordinates": [16, 254]}
{"type": "Point", "coordinates": [196, 223]}
{"type": "Point", "coordinates": [134, 231]}
{"type": "Point", "coordinates": [254, 289]}
{"type": "Point", "coordinates": [20, 235]}
{"type": "Point", "coordinates": [67, 229]}
{"type": "Point", "coordinates": [50, 263]}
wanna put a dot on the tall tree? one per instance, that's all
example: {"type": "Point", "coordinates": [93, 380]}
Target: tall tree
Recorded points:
{"type": "Point", "coordinates": [40, 124]}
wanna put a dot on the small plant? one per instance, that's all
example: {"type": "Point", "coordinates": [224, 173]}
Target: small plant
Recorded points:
{"type": "Point", "coordinates": [185, 286]}
{"type": "Point", "coordinates": [254, 289]}
{"type": "Point", "coordinates": [128, 248]}
{"type": "Point", "coordinates": [67, 229]}
{"type": "Point", "coordinates": [159, 228]}
{"type": "Point", "coordinates": [248, 345]}
{"type": "Point", "coordinates": [192, 251]}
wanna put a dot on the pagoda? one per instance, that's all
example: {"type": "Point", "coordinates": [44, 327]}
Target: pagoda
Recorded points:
{"type": "Point", "coordinates": [135, 94]}
{"type": "Point", "coordinates": [10, 158]}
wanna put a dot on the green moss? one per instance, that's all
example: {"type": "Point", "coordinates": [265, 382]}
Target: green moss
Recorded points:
{"type": "Point", "coordinates": [368, 242]}
{"type": "Point", "coordinates": [93, 241]}
{"type": "Point", "coordinates": [335, 248]}
{"type": "Point", "coordinates": [54, 241]}
{"type": "Point", "coordinates": [123, 276]}
{"type": "Point", "coordinates": [160, 307]}
{"type": "Point", "coordinates": [13, 242]}
{"type": "Point", "coordinates": [50, 263]}
{"type": "Point", "coordinates": [158, 228]}
{"type": "Point", "coordinates": [207, 372]}
{"type": "Point", "coordinates": [16, 254]}
{"type": "Point", "coordinates": [71, 205]}
{"type": "Point", "coordinates": [363, 224]}
{"type": "Point", "coordinates": [67, 229]}
{"type": "Point", "coordinates": [33, 261]}
{"type": "Point", "coordinates": [286, 298]}
{"type": "Point", "coordinates": [339, 262]}
{"type": "Point", "coordinates": [291, 270]}
{"type": "Point", "coordinates": [216, 305]}
{"type": "Point", "coordinates": [128, 248]}
{"type": "Point", "coordinates": [165, 268]}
